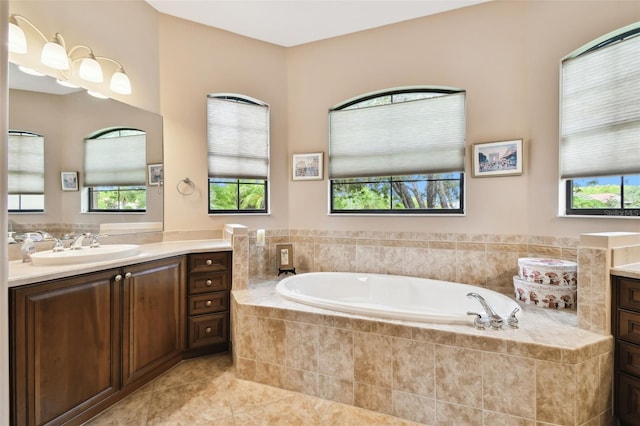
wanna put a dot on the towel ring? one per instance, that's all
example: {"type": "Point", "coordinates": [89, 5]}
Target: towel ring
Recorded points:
{"type": "Point", "coordinates": [190, 185]}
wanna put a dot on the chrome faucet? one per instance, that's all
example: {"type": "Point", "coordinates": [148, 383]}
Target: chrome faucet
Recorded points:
{"type": "Point", "coordinates": [77, 243]}
{"type": "Point", "coordinates": [495, 321]}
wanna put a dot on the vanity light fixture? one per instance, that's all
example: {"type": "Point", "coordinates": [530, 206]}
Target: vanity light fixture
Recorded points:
{"type": "Point", "coordinates": [30, 71]}
{"type": "Point", "coordinates": [54, 55]}
{"type": "Point", "coordinates": [97, 94]}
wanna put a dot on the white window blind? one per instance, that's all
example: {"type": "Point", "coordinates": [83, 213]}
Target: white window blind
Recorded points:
{"type": "Point", "coordinates": [414, 137]}
{"type": "Point", "coordinates": [600, 112]}
{"type": "Point", "coordinates": [115, 161]}
{"type": "Point", "coordinates": [26, 164]}
{"type": "Point", "coordinates": [237, 139]}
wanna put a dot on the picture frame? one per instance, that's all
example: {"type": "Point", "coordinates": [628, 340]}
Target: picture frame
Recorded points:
{"type": "Point", "coordinates": [284, 256]}
{"type": "Point", "coordinates": [503, 158]}
{"type": "Point", "coordinates": [69, 181]}
{"type": "Point", "coordinates": [307, 166]}
{"type": "Point", "coordinates": [156, 174]}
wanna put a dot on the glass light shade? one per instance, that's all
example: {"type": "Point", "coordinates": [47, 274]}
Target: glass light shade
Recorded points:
{"type": "Point", "coordinates": [30, 71]}
{"type": "Point", "coordinates": [90, 70]}
{"type": "Point", "coordinates": [66, 83]}
{"type": "Point", "coordinates": [120, 83]}
{"type": "Point", "coordinates": [55, 56]}
{"type": "Point", "coordinates": [97, 94]}
{"type": "Point", "coordinates": [17, 39]}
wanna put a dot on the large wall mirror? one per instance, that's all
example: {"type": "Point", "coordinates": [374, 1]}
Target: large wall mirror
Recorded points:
{"type": "Point", "coordinates": [64, 118]}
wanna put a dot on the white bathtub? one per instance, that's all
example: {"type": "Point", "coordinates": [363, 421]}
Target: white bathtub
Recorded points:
{"type": "Point", "coordinates": [392, 296]}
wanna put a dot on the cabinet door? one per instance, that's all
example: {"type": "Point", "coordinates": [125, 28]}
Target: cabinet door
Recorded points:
{"type": "Point", "coordinates": [65, 347]}
{"type": "Point", "coordinates": [153, 336]}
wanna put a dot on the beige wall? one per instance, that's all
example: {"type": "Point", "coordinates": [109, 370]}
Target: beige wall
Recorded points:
{"type": "Point", "coordinates": [506, 54]}
{"type": "Point", "coordinates": [196, 60]}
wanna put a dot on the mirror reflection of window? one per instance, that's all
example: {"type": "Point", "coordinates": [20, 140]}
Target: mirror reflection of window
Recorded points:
{"type": "Point", "coordinates": [26, 172]}
{"type": "Point", "coordinates": [115, 170]}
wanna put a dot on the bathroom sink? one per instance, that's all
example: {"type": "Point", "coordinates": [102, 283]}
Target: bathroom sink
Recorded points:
{"type": "Point", "coordinates": [84, 255]}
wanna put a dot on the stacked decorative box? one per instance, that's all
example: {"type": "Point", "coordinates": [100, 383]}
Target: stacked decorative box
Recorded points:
{"type": "Point", "coordinates": [550, 283]}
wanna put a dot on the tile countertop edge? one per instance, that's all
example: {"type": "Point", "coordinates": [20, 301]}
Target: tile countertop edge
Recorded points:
{"type": "Point", "coordinates": [26, 273]}
{"type": "Point", "coordinates": [631, 270]}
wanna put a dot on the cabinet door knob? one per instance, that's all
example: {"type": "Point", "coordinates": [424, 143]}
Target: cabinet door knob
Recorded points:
{"type": "Point", "coordinates": [209, 262]}
{"type": "Point", "coordinates": [209, 282]}
{"type": "Point", "coordinates": [208, 303]}
{"type": "Point", "coordinates": [127, 275]}
{"type": "Point", "coordinates": [118, 278]}
{"type": "Point", "coordinates": [207, 330]}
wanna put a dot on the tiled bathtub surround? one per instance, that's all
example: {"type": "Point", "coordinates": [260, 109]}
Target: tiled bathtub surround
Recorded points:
{"type": "Point", "coordinates": [546, 371]}
{"type": "Point", "coordinates": [484, 260]}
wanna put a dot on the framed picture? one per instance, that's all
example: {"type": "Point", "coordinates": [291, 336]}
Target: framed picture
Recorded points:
{"type": "Point", "coordinates": [503, 158]}
{"type": "Point", "coordinates": [69, 181]}
{"type": "Point", "coordinates": [307, 166]}
{"type": "Point", "coordinates": [284, 252]}
{"type": "Point", "coordinates": [156, 174]}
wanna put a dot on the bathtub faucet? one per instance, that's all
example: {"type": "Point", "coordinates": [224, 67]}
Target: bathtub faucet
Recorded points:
{"type": "Point", "coordinates": [495, 321]}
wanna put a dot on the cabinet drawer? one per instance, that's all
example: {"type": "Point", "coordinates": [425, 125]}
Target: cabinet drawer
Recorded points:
{"type": "Point", "coordinates": [629, 326]}
{"type": "Point", "coordinates": [208, 303]}
{"type": "Point", "coordinates": [207, 330]}
{"type": "Point", "coordinates": [628, 393]}
{"type": "Point", "coordinates": [629, 294]}
{"type": "Point", "coordinates": [209, 262]}
{"type": "Point", "coordinates": [205, 283]}
{"type": "Point", "coordinates": [628, 358]}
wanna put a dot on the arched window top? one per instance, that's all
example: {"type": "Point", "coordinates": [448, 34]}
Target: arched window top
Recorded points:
{"type": "Point", "coordinates": [395, 95]}
{"type": "Point", "coordinates": [235, 97]}
{"type": "Point", "coordinates": [613, 37]}
{"type": "Point", "coordinates": [115, 132]}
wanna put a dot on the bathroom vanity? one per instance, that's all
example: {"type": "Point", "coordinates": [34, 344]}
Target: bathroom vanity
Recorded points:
{"type": "Point", "coordinates": [626, 330]}
{"type": "Point", "coordinates": [81, 342]}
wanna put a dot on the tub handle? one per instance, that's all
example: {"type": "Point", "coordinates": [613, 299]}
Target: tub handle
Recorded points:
{"type": "Point", "coordinates": [512, 321]}
{"type": "Point", "coordinates": [478, 323]}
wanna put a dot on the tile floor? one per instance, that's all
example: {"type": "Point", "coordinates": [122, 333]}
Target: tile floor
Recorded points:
{"type": "Point", "coordinates": [205, 391]}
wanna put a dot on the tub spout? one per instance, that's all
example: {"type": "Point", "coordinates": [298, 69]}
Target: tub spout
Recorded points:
{"type": "Point", "coordinates": [495, 321]}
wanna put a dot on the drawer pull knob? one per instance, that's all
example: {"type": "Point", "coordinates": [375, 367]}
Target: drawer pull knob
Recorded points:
{"type": "Point", "coordinates": [118, 278]}
{"type": "Point", "coordinates": [127, 275]}
{"type": "Point", "coordinates": [207, 330]}
{"type": "Point", "coordinates": [209, 283]}
{"type": "Point", "coordinates": [208, 303]}
{"type": "Point", "coordinates": [209, 262]}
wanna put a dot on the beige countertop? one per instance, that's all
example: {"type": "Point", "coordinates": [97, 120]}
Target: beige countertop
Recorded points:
{"type": "Point", "coordinates": [631, 270]}
{"type": "Point", "coordinates": [27, 273]}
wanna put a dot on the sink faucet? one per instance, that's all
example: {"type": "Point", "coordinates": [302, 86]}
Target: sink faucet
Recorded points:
{"type": "Point", "coordinates": [495, 320]}
{"type": "Point", "coordinates": [77, 243]}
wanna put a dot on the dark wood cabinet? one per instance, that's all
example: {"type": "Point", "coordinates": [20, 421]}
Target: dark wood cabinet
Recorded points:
{"type": "Point", "coordinates": [80, 344]}
{"type": "Point", "coordinates": [153, 337]}
{"type": "Point", "coordinates": [209, 283]}
{"type": "Point", "coordinates": [626, 331]}
{"type": "Point", "coordinates": [65, 348]}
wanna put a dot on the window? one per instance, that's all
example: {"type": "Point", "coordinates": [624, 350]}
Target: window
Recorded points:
{"type": "Point", "coordinates": [398, 151]}
{"type": "Point", "coordinates": [115, 170]}
{"type": "Point", "coordinates": [26, 172]}
{"type": "Point", "coordinates": [600, 126]}
{"type": "Point", "coordinates": [238, 154]}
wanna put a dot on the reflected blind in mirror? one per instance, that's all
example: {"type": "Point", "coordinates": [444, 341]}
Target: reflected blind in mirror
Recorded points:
{"type": "Point", "coordinates": [26, 163]}
{"type": "Point", "coordinates": [115, 161]}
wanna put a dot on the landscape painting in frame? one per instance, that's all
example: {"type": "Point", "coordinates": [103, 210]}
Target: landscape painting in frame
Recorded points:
{"type": "Point", "coordinates": [503, 158]}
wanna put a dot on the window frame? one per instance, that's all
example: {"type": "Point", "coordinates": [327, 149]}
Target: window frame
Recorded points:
{"type": "Point", "coordinates": [460, 211]}
{"type": "Point", "coordinates": [567, 184]}
{"type": "Point", "coordinates": [105, 135]}
{"type": "Point", "coordinates": [238, 180]}
{"type": "Point", "coordinates": [22, 195]}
